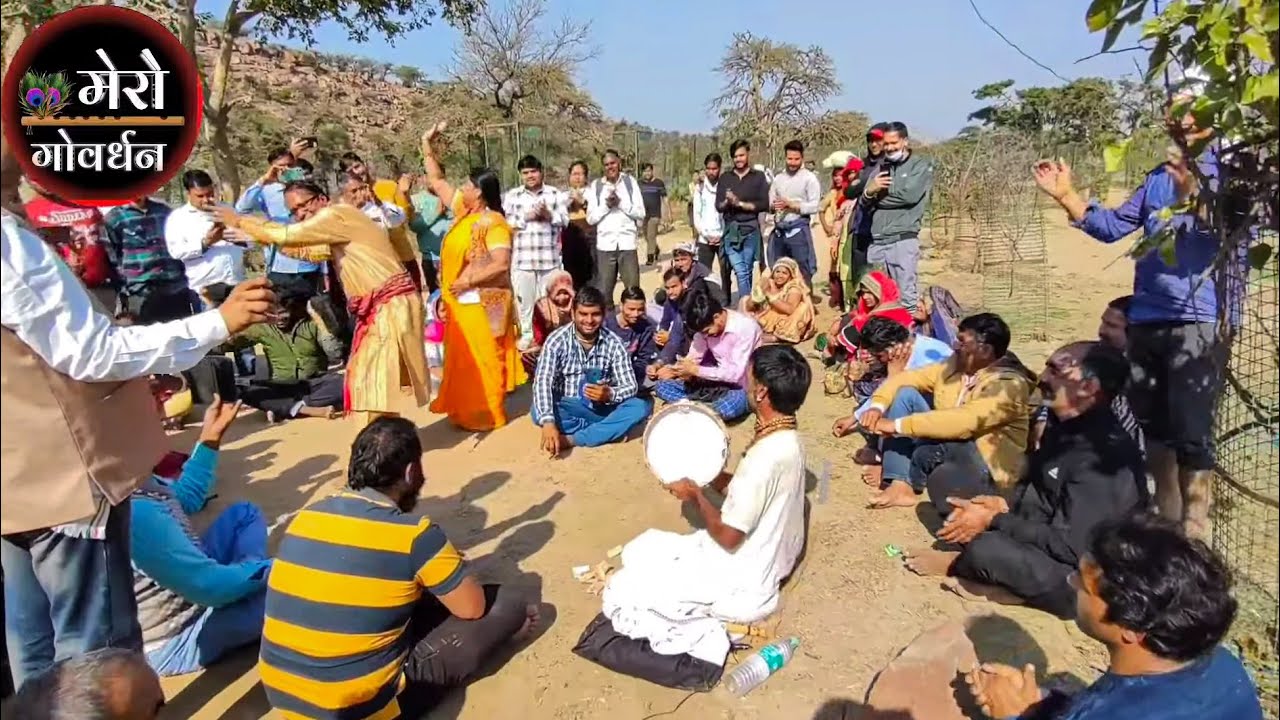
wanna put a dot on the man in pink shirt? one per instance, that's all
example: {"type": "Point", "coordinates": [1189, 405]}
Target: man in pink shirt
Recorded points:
{"type": "Point", "coordinates": [715, 370]}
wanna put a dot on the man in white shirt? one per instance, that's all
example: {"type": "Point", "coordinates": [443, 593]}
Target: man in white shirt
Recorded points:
{"type": "Point", "coordinates": [357, 192]}
{"type": "Point", "coordinates": [730, 571]}
{"type": "Point", "coordinates": [537, 213]}
{"type": "Point", "coordinates": [708, 223]}
{"type": "Point", "coordinates": [794, 197]}
{"type": "Point", "coordinates": [615, 206]}
{"type": "Point", "coordinates": [68, 581]}
{"type": "Point", "coordinates": [210, 252]}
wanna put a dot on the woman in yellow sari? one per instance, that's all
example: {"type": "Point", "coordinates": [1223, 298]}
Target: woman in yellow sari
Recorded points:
{"type": "Point", "coordinates": [481, 362]}
{"type": "Point", "coordinates": [782, 304]}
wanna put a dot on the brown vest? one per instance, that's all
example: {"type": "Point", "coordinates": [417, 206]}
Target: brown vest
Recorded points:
{"type": "Point", "coordinates": [61, 438]}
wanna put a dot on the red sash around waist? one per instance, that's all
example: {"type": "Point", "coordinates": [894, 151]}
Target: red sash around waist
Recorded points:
{"type": "Point", "coordinates": [363, 308]}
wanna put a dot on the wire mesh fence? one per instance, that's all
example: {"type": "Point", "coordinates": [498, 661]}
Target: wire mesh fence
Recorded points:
{"type": "Point", "coordinates": [1247, 488]}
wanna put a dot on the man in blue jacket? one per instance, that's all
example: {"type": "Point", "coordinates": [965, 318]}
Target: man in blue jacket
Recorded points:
{"type": "Point", "coordinates": [199, 596]}
{"type": "Point", "coordinates": [1173, 349]}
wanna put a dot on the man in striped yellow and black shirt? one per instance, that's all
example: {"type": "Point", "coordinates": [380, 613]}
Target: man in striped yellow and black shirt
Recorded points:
{"type": "Point", "coordinates": [370, 610]}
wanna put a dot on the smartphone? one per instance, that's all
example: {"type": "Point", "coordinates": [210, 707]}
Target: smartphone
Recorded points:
{"type": "Point", "coordinates": [292, 175]}
{"type": "Point", "coordinates": [311, 141]}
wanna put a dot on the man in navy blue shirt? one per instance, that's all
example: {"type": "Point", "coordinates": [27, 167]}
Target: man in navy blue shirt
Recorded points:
{"type": "Point", "coordinates": [1173, 349]}
{"type": "Point", "coordinates": [1160, 603]}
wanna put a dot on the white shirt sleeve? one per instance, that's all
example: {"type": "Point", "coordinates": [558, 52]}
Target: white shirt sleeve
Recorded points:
{"type": "Point", "coordinates": [183, 237]}
{"type": "Point", "coordinates": [748, 493]}
{"type": "Point", "coordinates": [596, 209]}
{"type": "Point", "coordinates": [50, 311]}
{"type": "Point", "coordinates": [633, 202]}
{"type": "Point", "coordinates": [393, 214]}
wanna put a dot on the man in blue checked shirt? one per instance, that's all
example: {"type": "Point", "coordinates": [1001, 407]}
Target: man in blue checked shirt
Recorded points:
{"type": "Point", "coordinates": [584, 389]}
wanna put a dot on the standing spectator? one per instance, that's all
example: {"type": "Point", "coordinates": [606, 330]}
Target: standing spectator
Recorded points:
{"type": "Point", "coordinates": [578, 241]}
{"type": "Point", "coordinates": [79, 432]}
{"type": "Point", "coordinates": [794, 197]}
{"type": "Point", "coordinates": [210, 252]}
{"type": "Point", "coordinates": [708, 224]}
{"type": "Point", "coordinates": [896, 194]}
{"type": "Point", "coordinates": [266, 197]}
{"type": "Point", "coordinates": [430, 221]}
{"type": "Point", "coordinates": [741, 196]}
{"type": "Point", "coordinates": [75, 233]}
{"type": "Point", "coordinates": [537, 214]}
{"type": "Point", "coordinates": [388, 194]}
{"type": "Point", "coordinates": [694, 182]}
{"type": "Point", "coordinates": [155, 285]}
{"type": "Point", "coordinates": [656, 211]}
{"type": "Point", "coordinates": [1172, 344]}
{"type": "Point", "coordinates": [615, 206]}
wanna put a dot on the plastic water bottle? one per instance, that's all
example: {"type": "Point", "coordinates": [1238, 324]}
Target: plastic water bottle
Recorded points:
{"type": "Point", "coordinates": [757, 668]}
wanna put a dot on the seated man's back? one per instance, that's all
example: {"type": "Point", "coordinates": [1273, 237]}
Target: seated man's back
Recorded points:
{"type": "Point", "coordinates": [340, 597]}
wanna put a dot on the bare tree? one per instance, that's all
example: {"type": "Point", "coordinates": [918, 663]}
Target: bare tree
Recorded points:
{"type": "Point", "coordinates": [514, 54]}
{"type": "Point", "coordinates": [771, 88]}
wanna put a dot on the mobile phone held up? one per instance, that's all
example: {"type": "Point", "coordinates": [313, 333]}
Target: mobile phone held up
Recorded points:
{"type": "Point", "coordinates": [292, 175]}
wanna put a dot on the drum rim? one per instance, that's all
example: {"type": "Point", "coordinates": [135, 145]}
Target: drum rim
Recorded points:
{"type": "Point", "coordinates": [678, 407]}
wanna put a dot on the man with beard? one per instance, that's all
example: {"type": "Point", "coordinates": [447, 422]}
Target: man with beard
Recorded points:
{"type": "Point", "coordinates": [730, 570]}
{"type": "Point", "coordinates": [584, 390]}
{"type": "Point", "coordinates": [708, 223]}
{"type": "Point", "coordinates": [794, 197]}
{"type": "Point", "coordinates": [740, 197]}
{"type": "Point", "coordinates": [371, 611]}
{"type": "Point", "coordinates": [1086, 471]}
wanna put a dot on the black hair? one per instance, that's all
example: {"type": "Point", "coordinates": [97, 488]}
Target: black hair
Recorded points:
{"type": "Point", "coordinates": [1108, 366]}
{"type": "Point", "coordinates": [586, 169]}
{"type": "Point", "coordinates": [700, 308]}
{"type": "Point", "coordinates": [633, 293]}
{"type": "Point", "coordinates": [1122, 304]}
{"type": "Point", "coordinates": [880, 333]}
{"type": "Point", "coordinates": [898, 128]}
{"type": "Point", "coordinates": [883, 127]}
{"type": "Point", "coordinates": [646, 166]}
{"type": "Point", "coordinates": [76, 687]}
{"type": "Point", "coordinates": [382, 452]}
{"type": "Point", "coordinates": [529, 162]}
{"type": "Point", "coordinates": [347, 160]}
{"type": "Point", "coordinates": [1156, 581]}
{"type": "Point", "coordinates": [276, 153]}
{"type": "Point", "coordinates": [310, 186]}
{"type": "Point", "coordinates": [673, 272]}
{"type": "Point", "coordinates": [988, 329]}
{"type": "Point", "coordinates": [785, 375]}
{"type": "Point", "coordinates": [713, 157]}
{"type": "Point", "coordinates": [486, 180]}
{"type": "Point", "coordinates": [305, 166]}
{"type": "Point", "coordinates": [589, 296]}
{"type": "Point", "coordinates": [196, 179]}
{"type": "Point", "coordinates": [794, 146]}
{"type": "Point", "coordinates": [219, 292]}
{"type": "Point", "coordinates": [733, 149]}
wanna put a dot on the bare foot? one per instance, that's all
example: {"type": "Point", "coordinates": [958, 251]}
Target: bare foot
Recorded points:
{"type": "Point", "coordinates": [929, 563]}
{"type": "Point", "coordinates": [873, 475]}
{"type": "Point", "coordinates": [532, 614]}
{"type": "Point", "coordinates": [328, 413]}
{"type": "Point", "coordinates": [973, 590]}
{"type": "Point", "coordinates": [866, 455]}
{"type": "Point", "coordinates": [898, 494]}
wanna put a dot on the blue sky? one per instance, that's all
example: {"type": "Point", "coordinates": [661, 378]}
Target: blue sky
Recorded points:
{"type": "Point", "coordinates": [911, 60]}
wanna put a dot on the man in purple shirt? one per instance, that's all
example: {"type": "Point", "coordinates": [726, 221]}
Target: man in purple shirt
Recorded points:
{"type": "Point", "coordinates": [715, 370]}
{"type": "Point", "coordinates": [1173, 349]}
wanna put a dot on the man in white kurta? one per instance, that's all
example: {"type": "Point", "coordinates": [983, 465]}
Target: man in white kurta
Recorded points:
{"type": "Point", "coordinates": [677, 591]}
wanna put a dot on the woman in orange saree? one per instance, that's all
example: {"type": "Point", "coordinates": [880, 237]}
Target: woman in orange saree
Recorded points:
{"type": "Point", "coordinates": [481, 362]}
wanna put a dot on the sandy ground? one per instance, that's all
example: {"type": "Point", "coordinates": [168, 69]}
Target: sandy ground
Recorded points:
{"type": "Point", "coordinates": [526, 519]}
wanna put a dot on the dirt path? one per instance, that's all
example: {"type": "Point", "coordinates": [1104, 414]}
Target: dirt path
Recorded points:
{"type": "Point", "coordinates": [527, 519]}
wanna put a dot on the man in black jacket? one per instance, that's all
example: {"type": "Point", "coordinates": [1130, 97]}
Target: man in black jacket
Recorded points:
{"type": "Point", "coordinates": [1086, 470]}
{"type": "Point", "coordinates": [741, 196]}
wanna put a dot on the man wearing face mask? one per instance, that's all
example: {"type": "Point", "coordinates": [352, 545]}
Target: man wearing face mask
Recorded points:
{"type": "Point", "coordinates": [1087, 471]}
{"type": "Point", "coordinates": [895, 193]}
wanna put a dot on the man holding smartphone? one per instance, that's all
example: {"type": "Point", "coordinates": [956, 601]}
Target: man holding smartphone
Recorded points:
{"type": "Point", "coordinates": [210, 252]}
{"type": "Point", "coordinates": [266, 197]}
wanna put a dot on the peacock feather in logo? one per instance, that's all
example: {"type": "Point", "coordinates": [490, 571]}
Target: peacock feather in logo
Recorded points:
{"type": "Point", "coordinates": [44, 95]}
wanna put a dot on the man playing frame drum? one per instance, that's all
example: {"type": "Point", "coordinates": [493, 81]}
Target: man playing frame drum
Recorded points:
{"type": "Point", "coordinates": [729, 572]}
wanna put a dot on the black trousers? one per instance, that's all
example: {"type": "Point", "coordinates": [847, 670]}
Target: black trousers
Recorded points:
{"type": "Point", "coordinates": [162, 306]}
{"type": "Point", "coordinates": [1027, 571]}
{"type": "Point", "coordinates": [214, 374]}
{"type": "Point", "coordinates": [708, 253]}
{"type": "Point", "coordinates": [448, 652]}
{"type": "Point", "coordinates": [280, 398]}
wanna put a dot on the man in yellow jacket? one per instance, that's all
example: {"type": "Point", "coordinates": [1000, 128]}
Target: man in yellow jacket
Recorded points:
{"type": "Point", "coordinates": [971, 411]}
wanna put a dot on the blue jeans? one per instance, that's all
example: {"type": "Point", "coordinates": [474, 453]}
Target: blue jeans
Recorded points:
{"type": "Point", "coordinates": [731, 406]}
{"type": "Point", "coordinates": [741, 259]}
{"type": "Point", "coordinates": [798, 246]}
{"type": "Point", "coordinates": [239, 534]}
{"type": "Point", "coordinates": [591, 424]}
{"type": "Point", "coordinates": [66, 596]}
{"type": "Point", "coordinates": [897, 450]}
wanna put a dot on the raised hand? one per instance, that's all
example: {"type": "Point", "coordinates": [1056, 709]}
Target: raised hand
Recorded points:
{"type": "Point", "coordinates": [1053, 177]}
{"type": "Point", "coordinates": [217, 418]}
